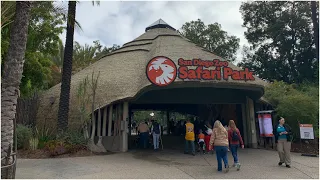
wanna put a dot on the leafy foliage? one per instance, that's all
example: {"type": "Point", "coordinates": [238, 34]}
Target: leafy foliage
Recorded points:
{"type": "Point", "coordinates": [295, 103]}
{"type": "Point", "coordinates": [86, 55]}
{"type": "Point", "coordinates": [281, 40]}
{"type": "Point", "coordinates": [74, 137]}
{"type": "Point", "coordinates": [7, 12]}
{"type": "Point", "coordinates": [57, 147]}
{"type": "Point", "coordinates": [70, 141]}
{"type": "Point", "coordinates": [24, 133]}
{"type": "Point", "coordinates": [43, 36]}
{"type": "Point", "coordinates": [212, 38]}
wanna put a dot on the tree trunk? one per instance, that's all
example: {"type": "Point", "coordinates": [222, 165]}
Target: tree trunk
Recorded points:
{"type": "Point", "coordinates": [63, 111]}
{"type": "Point", "coordinates": [315, 22]}
{"type": "Point", "coordinates": [12, 73]}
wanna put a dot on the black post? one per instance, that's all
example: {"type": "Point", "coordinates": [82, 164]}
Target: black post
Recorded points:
{"type": "Point", "coordinates": [168, 122]}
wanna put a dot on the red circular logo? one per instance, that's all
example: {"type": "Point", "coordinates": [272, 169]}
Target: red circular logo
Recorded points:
{"type": "Point", "coordinates": [161, 71]}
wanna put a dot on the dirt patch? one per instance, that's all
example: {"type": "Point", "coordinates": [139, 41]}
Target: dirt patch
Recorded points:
{"type": "Point", "coordinates": [312, 147]}
{"type": "Point", "coordinates": [43, 154]}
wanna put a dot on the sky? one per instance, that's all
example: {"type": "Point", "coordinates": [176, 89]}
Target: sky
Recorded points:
{"type": "Point", "coordinates": [118, 22]}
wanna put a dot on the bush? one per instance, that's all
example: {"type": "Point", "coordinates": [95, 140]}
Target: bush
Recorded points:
{"type": "Point", "coordinates": [24, 133]}
{"type": "Point", "coordinates": [57, 147]}
{"type": "Point", "coordinates": [295, 103]}
{"type": "Point", "coordinates": [44, 136]}
{"type": "Point", "coordinates": [74, 137]}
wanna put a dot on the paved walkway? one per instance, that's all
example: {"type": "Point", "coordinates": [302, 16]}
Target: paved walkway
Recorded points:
{"type": "Point", "coordinates": [167, 164]}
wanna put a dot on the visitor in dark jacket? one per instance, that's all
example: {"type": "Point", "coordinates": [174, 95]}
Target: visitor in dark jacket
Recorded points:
{"type": "Point", "coordinates": [156, 132]}
{"type": "Point", "coordinates": [283, 138]}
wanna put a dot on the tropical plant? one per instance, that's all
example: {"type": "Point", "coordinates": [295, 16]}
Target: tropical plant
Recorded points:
{"type": "Point", "coordinates": [45, 26]}
{"type": "Point", "coordinates": [93, 85]}
{"type": "Point", "coordinates": [212, 38]}
{"type": "Point", "coordinates": [63, 111]}
{"type": "Point", "coordinates": [33, 143]}
{"type": "Point", "coordinates": [12, 74]}
{"type": "Point", "coordinates": [7, 12]}
{"type": "Point", "coordinates": [83, 99]}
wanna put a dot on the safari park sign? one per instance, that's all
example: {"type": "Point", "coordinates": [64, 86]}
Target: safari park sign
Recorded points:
{"type": "Point", "coordinates": [162, 71]}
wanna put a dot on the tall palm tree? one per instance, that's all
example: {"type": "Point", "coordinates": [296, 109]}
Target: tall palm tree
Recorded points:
{"type": "Point", "coordinates": [12, 72]}
{"type": "Point", "coordinates": [63, 111]}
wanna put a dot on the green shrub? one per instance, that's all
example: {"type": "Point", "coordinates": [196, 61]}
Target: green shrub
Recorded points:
{"type": "Point", "coordinates": [57, 147]}
{"type": "Point", "coordinates": [44, 135]}
{"type": "Point", "coordinates": [24, 133]}
{"type": "Point", "coordinates": [74, 137]}
{"type": "Point", "coordinates": [33, 143]}
{"type": "Point", "coordinates": [296, 103]}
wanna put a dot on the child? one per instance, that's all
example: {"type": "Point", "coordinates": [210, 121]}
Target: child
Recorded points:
{"type": "Point", "coordinates": [201, 141]}
{"type": "Point", "coordinates": [235, 140]}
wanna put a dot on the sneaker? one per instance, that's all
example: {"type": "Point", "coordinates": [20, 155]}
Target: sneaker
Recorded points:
{"type": "Point", "coordinates": [234, 165]}
{"type": "Point", "coordinates": [227, 169]}
{"type": "Point", "coordinates": [280, 163]}
{"type": "Point", "coordinates": [238, 166]}
{"type": "Point", "coordinates": [288, 166]}
{"type": "Point", "coordinates": [193, 154]}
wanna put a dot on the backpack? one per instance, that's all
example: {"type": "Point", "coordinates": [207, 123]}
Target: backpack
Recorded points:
{"type": "Point", "coordinates": [235, 136]}
{"type": "Point", "coordinates": [156, 128]}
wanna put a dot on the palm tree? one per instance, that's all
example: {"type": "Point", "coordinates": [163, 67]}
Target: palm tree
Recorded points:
{"type": "Point", "coordinates": [12, 73]}
{"type": "Point", "coordinates": [63, 111]}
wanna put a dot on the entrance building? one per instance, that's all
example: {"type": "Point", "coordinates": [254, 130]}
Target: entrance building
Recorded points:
{"type": "Point", "coordinates": [161, 70]}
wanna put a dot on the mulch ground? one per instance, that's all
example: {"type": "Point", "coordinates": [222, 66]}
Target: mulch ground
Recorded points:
{"type": "Point", "coordinates": [312, 147]}
{"type": "Point", "coordinates": [42, 154]}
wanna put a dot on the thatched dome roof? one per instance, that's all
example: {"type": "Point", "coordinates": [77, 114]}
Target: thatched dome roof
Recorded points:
{"type": "Point", "coordinates": [123, 72]}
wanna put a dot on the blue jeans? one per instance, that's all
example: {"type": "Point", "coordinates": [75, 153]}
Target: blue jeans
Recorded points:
{"type": "Point", "coordinates": [156, 138]}
{"type": "Point", "coordinates": [187, 146]}
{"type": "Point", "coordinates": [234, 152]}
{"type": "Point", "coordinates": [222, 154]}
{"type": "Point", "coordinates": [144, 139]}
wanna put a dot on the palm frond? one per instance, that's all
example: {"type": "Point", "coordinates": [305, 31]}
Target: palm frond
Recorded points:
{"type": "Point", "coordinates": [7, 12]}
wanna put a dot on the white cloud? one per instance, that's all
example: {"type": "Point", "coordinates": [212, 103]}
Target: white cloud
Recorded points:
{"type": "Point", "coordinates": [115, 22]}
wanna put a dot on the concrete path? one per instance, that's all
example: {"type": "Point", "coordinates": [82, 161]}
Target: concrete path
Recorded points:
{"type": "Point", "coordinates": [167, 164]}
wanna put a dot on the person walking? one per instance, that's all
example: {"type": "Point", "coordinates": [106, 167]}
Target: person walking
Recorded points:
{"type": "Point", "coordinates": [143, 134]}
{"type": "Point", "coordinates": [219, 139]}
{"type": "Point", "coordinates": [189, 137]}
{"type": "Point", "coordinates": [156, 131]}
{"type": "Point", "coordinates": [283, 138]}
{"type": "Point", "coordinates": [235, 140]}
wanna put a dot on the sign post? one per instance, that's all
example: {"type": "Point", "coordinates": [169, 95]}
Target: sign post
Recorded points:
{"type": "Point", "coordinates": [265, 126]}
{"type": "Point", "coordinates": [306, 133]}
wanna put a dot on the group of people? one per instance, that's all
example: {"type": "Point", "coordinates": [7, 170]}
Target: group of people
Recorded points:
{"type": "Point", "coordinates": [223, 139]}
{"type": "Point", "coordinates": [217, 138]}
{"type": "Point", "coordinates": [144, 129]}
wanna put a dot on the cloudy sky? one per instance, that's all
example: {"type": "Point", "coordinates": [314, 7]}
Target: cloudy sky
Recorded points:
{"type": "Point", "coordinates": [118, 22]}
